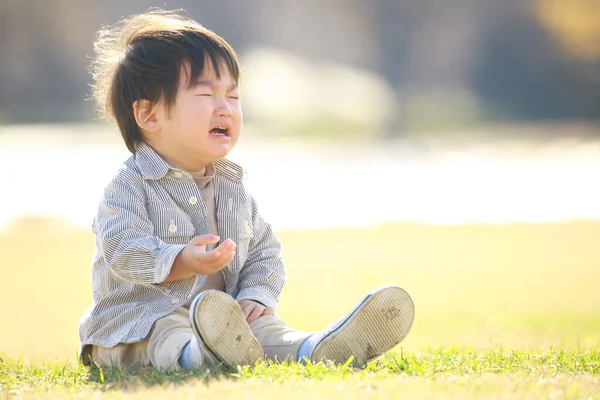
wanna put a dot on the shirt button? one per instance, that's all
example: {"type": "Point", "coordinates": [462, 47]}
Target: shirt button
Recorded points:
{"type": "Point", "coordinates": [172, 228]}
{"type": "Point", "coordinates": [178, 175]}
{"type": "Point", "coordinates": [193, 200]}
{"type": "Point", "coordinates": [174, 301]}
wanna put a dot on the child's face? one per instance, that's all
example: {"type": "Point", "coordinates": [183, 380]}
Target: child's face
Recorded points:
{"type": "Point", "coordinates": [189, 135]}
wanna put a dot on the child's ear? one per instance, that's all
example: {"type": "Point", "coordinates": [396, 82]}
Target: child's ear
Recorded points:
{"type": "Point", "coordinates": [145, 115]}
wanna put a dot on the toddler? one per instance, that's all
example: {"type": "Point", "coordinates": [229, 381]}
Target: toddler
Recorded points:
{"type": "Point", "coordinates": [186, 273]}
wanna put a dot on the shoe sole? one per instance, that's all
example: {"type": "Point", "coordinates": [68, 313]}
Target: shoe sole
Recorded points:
{"type": "Point", "coordinates": [218, 322]}
{"type": "Point", "coordinates": [375, 326]}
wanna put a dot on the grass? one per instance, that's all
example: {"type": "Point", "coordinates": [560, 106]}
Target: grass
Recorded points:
{"type": "Point", "coordinates": [574, 374]}
{"type": "Point", "coordinates": [502, 312]}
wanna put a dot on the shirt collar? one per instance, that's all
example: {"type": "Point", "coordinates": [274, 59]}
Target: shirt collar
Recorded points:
{"type": "Point", "coordinates": [229, 169]}
{"type": "Point", "coordinates": [152, 166]}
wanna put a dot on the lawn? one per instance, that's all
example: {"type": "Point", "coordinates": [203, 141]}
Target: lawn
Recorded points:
{"type": "Point", "coordinates": [501, 312]}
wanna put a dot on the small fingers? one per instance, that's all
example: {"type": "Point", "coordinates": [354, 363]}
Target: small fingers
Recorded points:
{"type": "Point", "coordinates": [209, 257]}
{"type": "Point", "coordinates": [216, 255]}
{"type": "Point", "coordinates": [269, 311]}
{"type": "Point", "coordinates": [246, 308]}
{"type": "Point", "coordinates": [226, 245]}
{"type": "Point", "coordinates": [204, 240]}
{"type": "Point", "coordinates": [221, 262]}
{"type": "Point", "coordinates": [256, 312]}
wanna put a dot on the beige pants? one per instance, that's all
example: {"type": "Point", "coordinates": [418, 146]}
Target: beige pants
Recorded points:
{"type": "Point", "coordinates": [162, 348]}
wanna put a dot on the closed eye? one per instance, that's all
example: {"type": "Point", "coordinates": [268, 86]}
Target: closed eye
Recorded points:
{"type": "Point", "coordinates": [233, 94]}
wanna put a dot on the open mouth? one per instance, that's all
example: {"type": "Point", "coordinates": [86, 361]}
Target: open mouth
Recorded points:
{"type": "Point", "coordinates": [220, 131]}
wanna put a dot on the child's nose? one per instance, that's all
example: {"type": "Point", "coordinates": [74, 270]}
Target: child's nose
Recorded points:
{"type": "Point", "coordinates": [223, 109]}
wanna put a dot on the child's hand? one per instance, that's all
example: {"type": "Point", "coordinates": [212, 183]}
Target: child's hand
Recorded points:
{"type": "Point", "coordinates": [202, 262]}
{"type": "Point", "coordinates": [252, 310]}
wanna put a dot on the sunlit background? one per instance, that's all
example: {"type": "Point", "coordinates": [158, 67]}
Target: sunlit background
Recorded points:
{"type": "Point", "coordinates": [449, 147]}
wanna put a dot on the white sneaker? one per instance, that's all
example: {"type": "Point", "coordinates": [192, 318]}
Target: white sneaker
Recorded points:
{"type": "Point", "coordinates": [218, 322]}
{"type": "Point", "coordinates": [380, 321]}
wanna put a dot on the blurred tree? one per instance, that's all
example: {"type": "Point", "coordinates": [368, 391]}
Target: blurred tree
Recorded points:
{"type": "Point", "coordinates": [523, 74]}
{"type": "Point", "coordinates": [525, 60]}
{"type": "Point", "coordinates": [575, 23]}
{"type": "Point", "coordinates": [42, 70]}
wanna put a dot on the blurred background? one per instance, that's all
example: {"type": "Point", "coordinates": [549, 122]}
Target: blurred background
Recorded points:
{"type": "Point", "coordinates": [452, 148]}
{"type": "Point", "coordinates": [384, 68]}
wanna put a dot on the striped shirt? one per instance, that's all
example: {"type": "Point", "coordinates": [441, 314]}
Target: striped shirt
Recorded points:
{"type": "Point", "coordinates": [147, 215]}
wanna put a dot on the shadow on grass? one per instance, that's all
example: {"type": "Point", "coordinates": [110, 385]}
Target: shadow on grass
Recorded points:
{"type": "Point", "coordinates": [111, 378]}
{"type": "Point", "coordinates": [427, 362]}
{"type": "Point", "coordinates": [20, 377]}
{"type": "Point", "coordinates": [116, 378]}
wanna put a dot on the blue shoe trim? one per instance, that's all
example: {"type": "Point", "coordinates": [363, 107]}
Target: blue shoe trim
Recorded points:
{"type": "Point", "coordinates": [310, 344]}
{"type": "Point", "coordinates": [306, 348]}
{"type": "Point", "coordinates": [184, 360]}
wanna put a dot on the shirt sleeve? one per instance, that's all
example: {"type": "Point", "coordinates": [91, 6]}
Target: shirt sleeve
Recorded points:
{"type": "Point", "coordinates": [263, 275]}
{"type": "Point", "coordinates": [125, 236]}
